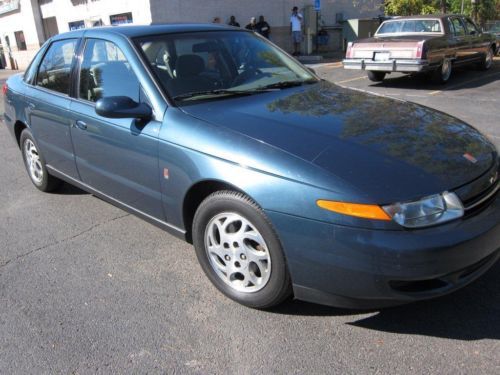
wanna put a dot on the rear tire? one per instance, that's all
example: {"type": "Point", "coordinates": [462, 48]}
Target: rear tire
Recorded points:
{"type": "Point", "coordinates": [239, 250]}
{"type": "Point", "coordinates": [443, 73]}
{"type": "Point", "coordinates": [487, 60]}
{"type": "Point", "coordinates": [376, 76]}
{"type": "Point", "coordinates": [35, 164]}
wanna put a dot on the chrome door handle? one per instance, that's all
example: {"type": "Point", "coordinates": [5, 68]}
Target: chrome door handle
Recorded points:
{"type": "Point", "coordinates": [81, 125]}
{"type": "Point", "coordinates": [31, 106]}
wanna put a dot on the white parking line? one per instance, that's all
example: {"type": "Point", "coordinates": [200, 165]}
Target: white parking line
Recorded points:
{"type": "Point", "coordinates": [350, 80]}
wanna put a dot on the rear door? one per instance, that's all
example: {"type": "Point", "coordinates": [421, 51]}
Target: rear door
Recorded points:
{"type": "Point", "coordinates": [47, 99]}
{"type": "Point", "coordinates": [117, 157]}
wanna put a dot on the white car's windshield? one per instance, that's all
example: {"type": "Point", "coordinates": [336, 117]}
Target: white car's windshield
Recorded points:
{"type": "Point", "coordinates": [413, 26]}
{"type": "Point", "coordinates": [217, 64]}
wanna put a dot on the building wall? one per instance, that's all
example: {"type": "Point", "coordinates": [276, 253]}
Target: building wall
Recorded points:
{"type": "Point", "coordinates": [31, 14]}
{"type": "Point", "coordinates": [21, 19]}
{"type": "Point", "coordinates": [39, 18]}
{"type": "Point", "coordinates": [90, 11]}
{"type": "Point", "coordinates": [276, 12]}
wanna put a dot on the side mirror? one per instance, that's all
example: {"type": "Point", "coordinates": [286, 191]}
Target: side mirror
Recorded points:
{"type": "Point", "coordinates": [122, 107]}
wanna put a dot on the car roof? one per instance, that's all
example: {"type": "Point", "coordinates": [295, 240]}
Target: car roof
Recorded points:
{"type": "Point", "coordinates": [425, 16]}
{"type": "Point", "coordinates": [134, 31]}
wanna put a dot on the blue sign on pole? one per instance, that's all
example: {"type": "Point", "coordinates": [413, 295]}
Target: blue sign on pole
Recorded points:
{"type": "Point", "coordinates": [317, 5]}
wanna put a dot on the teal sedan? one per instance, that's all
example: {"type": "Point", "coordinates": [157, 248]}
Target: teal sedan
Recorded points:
{"type": "Point", "coordinates": [286, 185]}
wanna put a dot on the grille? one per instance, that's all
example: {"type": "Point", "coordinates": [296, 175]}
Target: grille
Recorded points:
{"type": "Point", "coordinates": [481, 201]}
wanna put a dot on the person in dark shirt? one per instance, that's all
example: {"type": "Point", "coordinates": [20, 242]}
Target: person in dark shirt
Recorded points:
{"type": "Point", "coordinates": [252, 25]}
{"type": "Point", "coordinates": [232, 22]}
{"type": "Point", "coordinates": [263, 27]}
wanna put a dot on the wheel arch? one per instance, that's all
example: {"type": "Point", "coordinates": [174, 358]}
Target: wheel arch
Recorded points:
{"type": "Point", "coordinates": [19, 126]}
{"type": "Point", "coordinates": [196, 194]}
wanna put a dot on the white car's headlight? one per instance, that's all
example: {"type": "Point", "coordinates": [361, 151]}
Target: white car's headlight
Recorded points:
{"type": "Point", "coordinates": [428, 211]}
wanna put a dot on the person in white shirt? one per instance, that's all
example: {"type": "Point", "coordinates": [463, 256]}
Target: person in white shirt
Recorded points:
{"type": "Point", "coordinates": [296, 30]}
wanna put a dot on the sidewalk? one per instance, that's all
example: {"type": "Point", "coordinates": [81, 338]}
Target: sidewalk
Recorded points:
{"type": "Point", "coordinates": [322, 58]}
{"type": "Point", "coordinates": [6, 73]}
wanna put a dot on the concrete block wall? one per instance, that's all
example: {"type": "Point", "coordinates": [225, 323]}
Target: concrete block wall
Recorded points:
{"type": "Point", "coordinates": [276, 12]}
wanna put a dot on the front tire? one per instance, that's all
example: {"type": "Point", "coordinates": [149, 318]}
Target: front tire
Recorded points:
{"type": "Point", "coordinates": [35, 164]}
{"type": "Point", "coordinates": [239, 250]}
{"type": "Point", "coordinates": [376, 76]}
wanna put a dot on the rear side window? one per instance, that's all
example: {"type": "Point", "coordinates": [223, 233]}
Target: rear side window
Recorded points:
{"type": "Point", "coordinates": [55, 69]}
{"type": "Point", "coordinates": [106, 72]}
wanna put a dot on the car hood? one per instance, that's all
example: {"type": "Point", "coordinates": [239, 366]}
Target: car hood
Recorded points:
{"type": "Point", "coordinates": [392, 150]}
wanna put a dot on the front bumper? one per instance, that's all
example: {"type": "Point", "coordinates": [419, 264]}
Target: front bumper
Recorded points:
{"type": "Point", "coordinates": [362, 268]}
{"type": "Point", "coordinates": [393, 65]}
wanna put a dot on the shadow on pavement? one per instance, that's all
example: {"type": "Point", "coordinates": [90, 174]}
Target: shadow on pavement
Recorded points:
{"type": "Point", "coordinates": [472, 313]}
{"type": "Point", "coordinates": [461, 78]}
{"type": "Point", "coordinates": [67, 189]}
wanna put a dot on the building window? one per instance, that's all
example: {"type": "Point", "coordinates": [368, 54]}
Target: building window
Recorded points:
{"type": "Point", "coordinates": [21, 43]}
{"type": "Point", "coordinates": [120, 19]}
{"type": "Point", "coordinates": [76, 25]}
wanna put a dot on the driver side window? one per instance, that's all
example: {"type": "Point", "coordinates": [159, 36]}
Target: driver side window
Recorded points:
{"type": "Point", "coordinates": [106, 72]}
{"type": "Point", "coordinates": [471, 27]}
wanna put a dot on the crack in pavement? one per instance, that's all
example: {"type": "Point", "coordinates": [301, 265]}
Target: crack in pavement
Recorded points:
{"type": "Point", "coordinates": [61, 241]}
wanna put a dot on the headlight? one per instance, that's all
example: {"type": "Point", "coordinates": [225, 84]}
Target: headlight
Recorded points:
{"type": "Point", "coordinates": [428, 211]}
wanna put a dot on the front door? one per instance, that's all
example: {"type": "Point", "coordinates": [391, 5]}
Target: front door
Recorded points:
{"type": "Point", "coordinates": [117, 157]}
{"type": "Point", "coordinates": [476, 47]}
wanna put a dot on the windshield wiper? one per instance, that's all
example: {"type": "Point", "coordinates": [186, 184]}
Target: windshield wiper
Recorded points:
{"type": "Point", "coordinates": [285, 84]}
{"type": "Point", "coordinates": [218, 92]}
{"type": "Point", "coordinates": [267, 88]}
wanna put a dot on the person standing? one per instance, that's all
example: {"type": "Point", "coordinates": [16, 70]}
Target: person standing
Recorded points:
{"type": "Point", "coordinates": [232, 22]}
{"type": "Point", "coordinates": [263, 27]}
{"type": "Point", "coordinates": [252, 25]}
{"type": "Point", "coordinates": [296, 30]}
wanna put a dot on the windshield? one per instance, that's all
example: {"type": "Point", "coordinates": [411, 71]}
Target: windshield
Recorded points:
{"type": "Point", "coordinates": [218, 64]}
{"type": "Point", "coordinates": [410, 27]}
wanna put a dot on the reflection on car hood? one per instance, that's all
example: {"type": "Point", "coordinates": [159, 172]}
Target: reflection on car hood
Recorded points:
{"type": "Point", "coordinates": [390, 149]}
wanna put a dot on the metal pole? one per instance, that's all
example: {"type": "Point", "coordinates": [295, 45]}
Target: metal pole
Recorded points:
{"type": "Point", "coordinates": [317, 24]}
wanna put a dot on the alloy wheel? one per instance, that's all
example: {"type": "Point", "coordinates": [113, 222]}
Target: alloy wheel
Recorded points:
{"type": "Point", "coordinates": [237, 252]}
{"type": "Point", "coordinates": [33, 161]}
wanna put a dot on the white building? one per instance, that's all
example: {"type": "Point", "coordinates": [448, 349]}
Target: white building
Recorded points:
{"type": "Point", "coordinates": [26, 24]}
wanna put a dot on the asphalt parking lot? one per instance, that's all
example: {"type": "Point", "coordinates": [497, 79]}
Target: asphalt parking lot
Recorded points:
{"type": "Point", "coordinates": [88, 288]}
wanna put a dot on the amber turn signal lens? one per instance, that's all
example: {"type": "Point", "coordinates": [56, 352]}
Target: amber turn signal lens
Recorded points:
{"type": "Point", "coordinates": [365, 211]}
